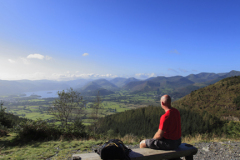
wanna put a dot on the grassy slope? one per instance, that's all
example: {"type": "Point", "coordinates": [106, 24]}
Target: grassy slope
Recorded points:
{"type": "Point", "coordinates": [217, 99]}
{"type": "Point", "coordinates": [42, 150]}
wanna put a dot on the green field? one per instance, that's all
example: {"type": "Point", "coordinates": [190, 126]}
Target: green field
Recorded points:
{"type": "Point", "coordinates": [33, 108]}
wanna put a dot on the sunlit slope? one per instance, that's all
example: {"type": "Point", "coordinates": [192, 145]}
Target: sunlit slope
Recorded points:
{"type": "Point", "coordinates": [221, 98]}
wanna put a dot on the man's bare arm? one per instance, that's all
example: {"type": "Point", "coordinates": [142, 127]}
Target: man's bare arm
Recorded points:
{"type": "Point", "coordinates": [158, 134]}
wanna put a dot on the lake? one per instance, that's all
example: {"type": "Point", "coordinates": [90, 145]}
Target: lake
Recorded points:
{"type": "Point", "coordinates": [43, 94]}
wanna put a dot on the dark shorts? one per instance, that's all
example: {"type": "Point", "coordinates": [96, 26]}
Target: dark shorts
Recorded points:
{"type": "Point", "coordinates": [163, 144]}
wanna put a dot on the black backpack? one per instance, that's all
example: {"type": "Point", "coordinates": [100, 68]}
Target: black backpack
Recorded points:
{"type": "Point", "coordinates": [113, 149]}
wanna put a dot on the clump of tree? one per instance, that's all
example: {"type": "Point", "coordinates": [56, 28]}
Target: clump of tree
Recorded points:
{"type": "Point", "coordinates": [68, 107]}
{"type": "Point", "coordinates": [97, 107]}
{"type": "Point", "coordinates": [7, 120]}
{"type": "Point", "coordinates": [3, 121]}
{"type": "Point", "coordinates": [232, 128]}
{"type": "Point", "coordinates": [145, 121]}
{"type": "Point", "coordinates": [236, 101]}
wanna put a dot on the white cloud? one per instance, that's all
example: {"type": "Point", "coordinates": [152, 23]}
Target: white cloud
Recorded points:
{"type": "Point", "coordinates": [36, 56]}
{"type": "Point", "coordinates": [85, 54]}
{"type": "Point", "coordinates": [48, 57]}
{"type": "Point", "coordinates": [93, 75]}
{"type": "Point", "coordinates": [145, 75]}
{"type": "Point", "coordinates": [11, 61]}
{"type": "Point", "coordinates": [174, 51]}
{"type": "Point", "coordinates": [71, 76]}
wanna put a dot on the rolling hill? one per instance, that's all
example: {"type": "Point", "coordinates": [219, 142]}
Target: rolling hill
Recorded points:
{"type": "Point", "coordinates": [120, 82]}
{"type": "Point", "coordinates": [100, 83]}
{"type": "Point", "coordinates": [202, 77]}
{"type": "Point", "coordinates": [178, 86]}
{"type": "Point", "coordinates": [158, 83]}
{"type": "Point", "coordinates": [221, 99]}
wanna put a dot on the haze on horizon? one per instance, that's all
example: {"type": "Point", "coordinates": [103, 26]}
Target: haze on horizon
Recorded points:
{"type": "Point", "coordinates": [65, 40]}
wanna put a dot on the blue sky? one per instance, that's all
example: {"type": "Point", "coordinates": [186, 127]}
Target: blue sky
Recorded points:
{"type": "Point", "coordinates": [70, 39]}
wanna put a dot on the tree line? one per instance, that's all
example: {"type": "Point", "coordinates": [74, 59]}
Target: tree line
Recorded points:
{"type": "Point", "coordinates": [145, 121]}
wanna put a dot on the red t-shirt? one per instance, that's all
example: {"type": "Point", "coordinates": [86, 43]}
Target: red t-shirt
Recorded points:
{"type": "Point", "coordinates": [170, 123]}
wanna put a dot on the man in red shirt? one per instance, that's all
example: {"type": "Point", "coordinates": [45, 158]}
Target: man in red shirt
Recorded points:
{"type": "Point", "coordinates": [168, 136]}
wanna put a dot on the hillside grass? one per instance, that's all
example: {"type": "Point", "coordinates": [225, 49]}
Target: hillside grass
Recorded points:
{"type": "Point", "coordinates": [63, 149]}
{"type": "Point", "coordinates": [60, 149]}
{"type": "Point", "coordinates": [221, 99]}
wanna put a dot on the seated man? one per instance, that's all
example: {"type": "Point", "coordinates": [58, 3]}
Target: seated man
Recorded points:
{"type": "Point", "coordinates": [168, 136]}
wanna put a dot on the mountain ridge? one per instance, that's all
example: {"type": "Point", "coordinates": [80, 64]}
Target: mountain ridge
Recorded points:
{"type": "Point", "coordinates": [176, 85]}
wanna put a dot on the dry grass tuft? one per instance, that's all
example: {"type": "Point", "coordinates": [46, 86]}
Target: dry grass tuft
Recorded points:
{"type": "Point", "coordinates": [130, 139]}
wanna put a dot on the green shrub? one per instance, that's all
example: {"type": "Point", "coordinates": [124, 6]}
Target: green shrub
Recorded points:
{"type": "Point", "coordinates": [36, 130]}
{"type": "Point", "coordinates": [8, 120]}
{"type": "Point", "coordinates": [3, 133]}
{"type": "Point", "coordinates": [233, 129]}
{"type": "Point", "coordinates": [41, 130]}
{"type": "Point", "coordinates": [237, 101]}
{"type": "Point", "coordinates": [74, 130]}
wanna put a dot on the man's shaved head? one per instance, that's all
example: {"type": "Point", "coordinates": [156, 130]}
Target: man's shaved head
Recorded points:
{"type": "Point", "coordinates": [166, 99]}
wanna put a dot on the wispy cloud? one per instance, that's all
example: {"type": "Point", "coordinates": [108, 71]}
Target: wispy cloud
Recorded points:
{"type": "Point", "coordinates": [174, 51]}
{"type": "Point", "coordinates": [35, 56]}
{"type": "Point", "coordinates": [194, 70]}
{"type": "Point", "coordinates": [85, 54]}
{"type": "Point", "coordinates": [24, 60]}
{"type": "Point", "coordinates": [55, 76]}
{"type": "Point", "coordinates": [11, 61]}
{"type": "Point", "coordinates": [70, 76]}
{"type": "Point", "coordinates": [170, 69]}
{"type": "Point", "coordinates": [145, 75]}
{"type": "Point", "coordinates": [48, 57]}
{"type": "Point", "coordinates": [182, 70]}
{"type": "Point", "coordinates": [93, 75]}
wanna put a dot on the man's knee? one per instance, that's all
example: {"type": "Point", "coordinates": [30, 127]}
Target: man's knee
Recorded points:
{"type": "Point", "coordinates": [143, 144]}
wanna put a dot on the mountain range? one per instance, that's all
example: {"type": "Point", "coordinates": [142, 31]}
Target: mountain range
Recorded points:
{"type": "Point", "coordinates": [178, 86]}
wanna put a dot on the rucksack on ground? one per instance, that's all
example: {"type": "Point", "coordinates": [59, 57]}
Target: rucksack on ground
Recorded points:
{"type": "Point", "coordinates": [113, 149]}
